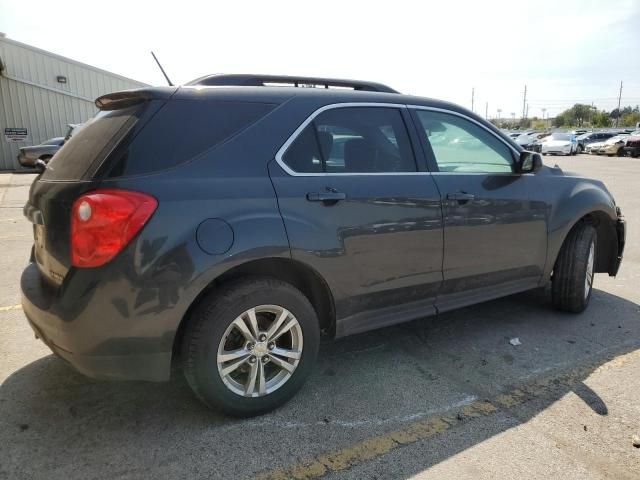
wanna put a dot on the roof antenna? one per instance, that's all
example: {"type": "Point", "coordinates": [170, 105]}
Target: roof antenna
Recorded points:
{"type": "Point", "coordinates": [162, 69]}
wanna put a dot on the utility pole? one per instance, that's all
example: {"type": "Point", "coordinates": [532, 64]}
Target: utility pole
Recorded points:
{"type": "Point", "coordinates": [524, 103]}
{"type": "Point", "coordinates": [486, 111]}
{"type": "Point", "coordinates": [526, 114]}
{"type": "Point", "coordinates": [472, 97]}
{"type": "Point", "coordinates": [543, 122]}
{"type": "Point", "coordinates": [619, 98]}
{"type": "Point", "coordinates": [499, 112]}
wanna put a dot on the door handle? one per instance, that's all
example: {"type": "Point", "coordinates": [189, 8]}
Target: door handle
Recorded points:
{"type": "Point", "coordinates": [326, 196]}
{"type": "Point", "coordinates": [460, 196]}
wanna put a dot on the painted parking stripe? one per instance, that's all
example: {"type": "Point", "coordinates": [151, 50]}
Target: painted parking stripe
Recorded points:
{"type": "Point", "coordinates": [378, 445]}
{"type": "Point", "coordinates": [10, 307]}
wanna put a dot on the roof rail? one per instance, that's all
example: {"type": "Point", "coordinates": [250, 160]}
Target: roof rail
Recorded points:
{"type": "Point", "coordinates": [248, 80]}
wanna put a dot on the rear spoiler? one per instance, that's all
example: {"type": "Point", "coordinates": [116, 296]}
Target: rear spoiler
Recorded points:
{"type": "Point", "coordinates": [127, 98]}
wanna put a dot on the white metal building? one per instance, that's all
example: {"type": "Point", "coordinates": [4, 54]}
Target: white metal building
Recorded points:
{"type": "Point", "coordinates": [41, 93]}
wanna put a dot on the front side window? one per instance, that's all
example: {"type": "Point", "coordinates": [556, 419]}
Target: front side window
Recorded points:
{"type": "Point", "coordinates": [353, 140]}
{"type": "Point", "coordinates": [461, 146]}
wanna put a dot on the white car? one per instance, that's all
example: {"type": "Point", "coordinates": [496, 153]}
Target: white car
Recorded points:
{"type": "Point", "coordinates": [525, 139]}
{"type": "Point", "coordinates": [560, 144]}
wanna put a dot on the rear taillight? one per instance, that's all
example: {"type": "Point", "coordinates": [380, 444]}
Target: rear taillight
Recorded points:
{"type": "Point", "coordinates": [104, 221]}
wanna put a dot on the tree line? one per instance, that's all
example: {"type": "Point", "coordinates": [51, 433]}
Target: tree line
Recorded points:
{"type": "Point", "coordinates": [581, 115]}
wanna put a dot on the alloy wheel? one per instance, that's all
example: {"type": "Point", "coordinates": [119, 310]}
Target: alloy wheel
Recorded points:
{"type": "Point", "coordinates": [260, 350]}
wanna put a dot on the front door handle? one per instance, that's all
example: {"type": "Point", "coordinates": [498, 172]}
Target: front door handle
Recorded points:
{"type": "Point", "coordinates": [326, 196]}
{"type": "Point", "coordinates": [461, 197]}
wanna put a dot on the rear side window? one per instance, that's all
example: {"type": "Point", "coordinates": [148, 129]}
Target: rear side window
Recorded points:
{"type": "Point", "coordinates": [183, 129]}
{"type": "Point", "coordinates": [90, 144]}
{"type": "Point", "coordinates": [353, 140]}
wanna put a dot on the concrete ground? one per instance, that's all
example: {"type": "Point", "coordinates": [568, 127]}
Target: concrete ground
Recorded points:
{"type": "Point", "coordinates": [445, 397]}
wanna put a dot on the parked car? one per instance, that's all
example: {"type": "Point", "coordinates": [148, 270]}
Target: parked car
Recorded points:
{"type": "Point", "coordinates": [613, 146]}
{"type": "Point", "coordinates": [593, 148]}
{"type": "Point", "coordinates": [559, 144]}
{"type": "Point", "coordinates": [38, 156]}
{"type": "Point", "coordinates": [592, 137]}
{"type": "Point", "coordinates": [632, 145]}
{"type": "Point", "coordinates": [225, 230]}
{"type": "Point", "coordinates": [28, 156]}
{"type": "Point", "coordinates": [527, 141]}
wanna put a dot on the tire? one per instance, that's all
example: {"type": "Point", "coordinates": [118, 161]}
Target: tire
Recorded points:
{"type": "Point", "coordinates": [212, 328]}
{"type": "Point", "coordinates": [580, 149]}
{"type": "Point", "coordinates": [621, 152]}
{"type": "Point", "coordinates": [573, 273]}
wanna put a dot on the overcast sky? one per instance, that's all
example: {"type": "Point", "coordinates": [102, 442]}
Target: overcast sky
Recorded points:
{"type": "Point", "coordinates": [564, 51]}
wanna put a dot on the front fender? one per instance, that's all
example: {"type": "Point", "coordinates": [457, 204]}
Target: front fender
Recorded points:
{"type": "Point", "coordinates": [571, 204]}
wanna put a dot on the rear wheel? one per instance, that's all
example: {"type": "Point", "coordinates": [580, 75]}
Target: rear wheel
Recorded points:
{"type": "Point", "coordinates": [580, 149]}
{"type": "Point", "coordinates": [573, 273]}
{"type": "Point", "coordinates": [621, 152]}
{"type": "Point", "coordinates": [250, 347]}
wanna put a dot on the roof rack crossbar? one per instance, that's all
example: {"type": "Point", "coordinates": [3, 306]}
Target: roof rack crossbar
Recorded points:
{"type": "Point", "coordinates": [245, 80]}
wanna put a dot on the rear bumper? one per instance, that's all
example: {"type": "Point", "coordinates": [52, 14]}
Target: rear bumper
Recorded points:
{"type": "Point", "coordinates": [93, 342]}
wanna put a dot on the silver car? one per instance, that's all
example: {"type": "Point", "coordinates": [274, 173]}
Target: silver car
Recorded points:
{"type": "Point", "coordinates": [28, 156]}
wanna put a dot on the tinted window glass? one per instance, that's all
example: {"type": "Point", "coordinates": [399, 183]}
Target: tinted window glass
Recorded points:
{"type": "Point", "coordinates": [462, 146]}
{"type": "Point", "coordinates": [353, 140]}
{"type": "Point", "coordinates": [91, 143]}
{"type": "Point", "coordinates": [183, 129]}
{"type": "Point", "coordinates": [303, 156]}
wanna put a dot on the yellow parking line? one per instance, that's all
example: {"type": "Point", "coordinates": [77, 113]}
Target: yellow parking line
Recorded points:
{"type": "Point", "coordinates": [10, 307]}
{"type": "Point", "coordinates": [378, 445]}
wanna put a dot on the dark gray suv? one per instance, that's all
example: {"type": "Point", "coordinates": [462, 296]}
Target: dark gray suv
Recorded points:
{"type": "Point", "coordinates": [226, 225]}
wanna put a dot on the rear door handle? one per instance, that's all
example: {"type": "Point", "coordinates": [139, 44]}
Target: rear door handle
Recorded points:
{"type": "Point", "coordinates": [460, 196]}
{"type": "Point", "coordinates": [326, 196]}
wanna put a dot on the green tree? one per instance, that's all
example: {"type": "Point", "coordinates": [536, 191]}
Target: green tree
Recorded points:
{"type": "Point", "coordinates": [580, 112]}
{"type": "Point", "coordinates": [561, 120]}
{"type": "Point", "coordinates": [600, 119]}
{"type": "Point", "coordinates": [630, 119]}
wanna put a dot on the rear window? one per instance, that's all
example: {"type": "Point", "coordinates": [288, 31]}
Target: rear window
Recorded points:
{"type": "Point", "coordinates": [183, 129]}
{"type": "Point", "coordinates": [93, 142]}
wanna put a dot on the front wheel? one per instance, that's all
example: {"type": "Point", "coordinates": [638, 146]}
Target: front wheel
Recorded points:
{"type": "Point", "coordinates": [621, 152]}
{"type": "Point", "coordinates": [250, 347]}
{"type": "Point", "coordinates": [580, 149]}
{"type": "Point", "coordinates": [572, 280]}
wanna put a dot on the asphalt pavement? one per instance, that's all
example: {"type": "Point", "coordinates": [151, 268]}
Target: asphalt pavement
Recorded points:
{"type": "Point", "coordinates": [439, 398]}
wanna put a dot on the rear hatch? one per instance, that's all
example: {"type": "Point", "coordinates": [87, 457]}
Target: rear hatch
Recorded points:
{"type": "Point", "coordinates": [73, 171]}
{"type": "Point", "coordinates": [135, 134]}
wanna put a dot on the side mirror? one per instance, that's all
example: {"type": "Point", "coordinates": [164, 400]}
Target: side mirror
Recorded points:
{"type": "Point", "coordinates": [530, 162]}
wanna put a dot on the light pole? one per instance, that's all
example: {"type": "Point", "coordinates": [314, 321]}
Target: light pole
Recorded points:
{"type": "Point", "coordinates": [499, 112]}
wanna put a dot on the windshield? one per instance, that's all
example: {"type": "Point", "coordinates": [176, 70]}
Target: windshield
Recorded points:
{"type": "Point", "coordinates": [561, 136]}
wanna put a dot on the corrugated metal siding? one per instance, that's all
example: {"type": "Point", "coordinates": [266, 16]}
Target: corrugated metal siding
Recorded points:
{"type": "Point", "coordinates": [31, 97]}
